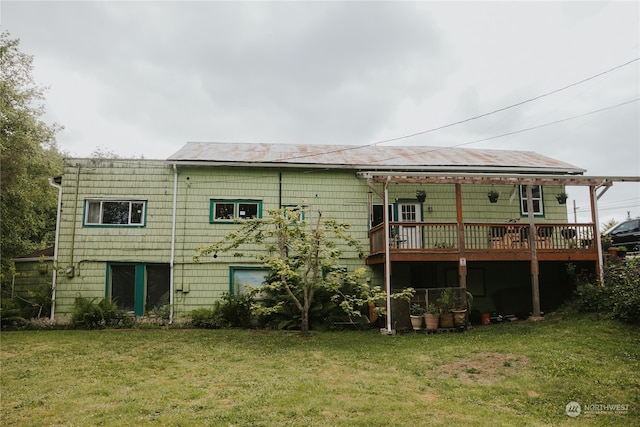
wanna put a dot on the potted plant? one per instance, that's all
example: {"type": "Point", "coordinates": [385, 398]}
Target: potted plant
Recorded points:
{"type": "Point", "coordinates": [416, 316]}
{"type": "Point", "coordinates": [461, 310]}
{"type": "Point", "coordinates": [431, 317]}
{"type": "Point", "coordinates": [562, 198]}
{"type": "Point", "coordinates": [622, 251]}
{"type": "Point", "coordinates": [493, 196]}
{"type": "Point", "coordinates": [421, 195]}
{"type": "Point", "coordinates": [446, 303]}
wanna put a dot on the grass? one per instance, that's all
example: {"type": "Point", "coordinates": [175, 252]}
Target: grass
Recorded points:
{"type": "Point", "coordinates": [521, 373]}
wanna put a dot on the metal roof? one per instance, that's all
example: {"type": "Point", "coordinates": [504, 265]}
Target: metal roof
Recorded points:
{"type": "Point", "coordinates": [390, 158]}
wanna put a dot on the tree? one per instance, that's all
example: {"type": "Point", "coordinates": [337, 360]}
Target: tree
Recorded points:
{"type": "Point", "coordinates": [303, 254]}
{"type": "Point", "coordinates": [29, 156]}
{"type": "Point", "coordinates": [101, 152]}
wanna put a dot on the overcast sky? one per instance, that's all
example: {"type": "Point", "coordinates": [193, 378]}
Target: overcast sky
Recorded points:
{"type": "Point", "coordinates": [142, 78]}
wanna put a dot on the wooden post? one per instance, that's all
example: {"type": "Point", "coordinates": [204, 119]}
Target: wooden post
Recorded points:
{"type": "Point", "coordinates": [535, 268]}
{"type": "Point", "coordinates": [462, 265]}
{"type": "Point", "coordinates": [387, 255]}
{"type": "Point", "coordinates": [596, 233]}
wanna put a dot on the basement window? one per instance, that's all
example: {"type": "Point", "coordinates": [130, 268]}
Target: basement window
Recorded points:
{"type": "Point", "coordinates": [115, 212]}
{"type": "Point", "coordinates": [230, 210]}
{"type": "Point", "coordinates": [243, 278]}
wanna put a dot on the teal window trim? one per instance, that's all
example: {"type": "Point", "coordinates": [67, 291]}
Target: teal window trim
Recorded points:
{"type": "Point", "coordinates": [139, 290]}
{"type": "Point", "coordinates": [234, 269]}
{"type": "Point", "coordinates": [235, 206]}
{"type": "Point", "coordinates": [294, 208]}
{"type": "Point", "coordinates": [523, 200]}
{"type": "Point", "coordinates": [99, 224]}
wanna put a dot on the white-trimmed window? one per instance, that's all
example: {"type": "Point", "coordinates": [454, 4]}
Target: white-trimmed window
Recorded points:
{"type": "Point", "coordinates": [538, 206]}
{"type": "Point", "coordinates": [229, 210]}
{"type": "Point", "coordinates": [115, 212]}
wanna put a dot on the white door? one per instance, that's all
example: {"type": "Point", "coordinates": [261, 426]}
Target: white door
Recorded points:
{"type": "Point", "coordinates": [409, 237]}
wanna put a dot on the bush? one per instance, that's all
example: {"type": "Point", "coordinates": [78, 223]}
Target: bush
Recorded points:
{"type": "Point", "coordinates": [592, 298]}
{"type": "Point", "coordinates": [89, 315]}
{"type": "Point", "coordinates": [232, 311]}
{"type": "Point", "coordinates": [11, 313]}
{"type": "Point", "coordinates": [618, 296]}
{"type": "Point", "coordinates": [235, 310]}
{"type": "Point", "coordinates": [623, 281]}
{"type": "Point", "coordinates": [17, 309]}
{"type": "Point", "coordinates": [208, 318]}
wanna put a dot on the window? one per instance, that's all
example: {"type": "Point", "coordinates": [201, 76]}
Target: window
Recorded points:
{"type": "Point", "coordinates": [229, 210]}
{"type": "Point", "coordinates": [138, 287]}
{"type": "Point", "coordinates": [115, 212]}
{"type": "Point", "coordinates": [536, 191]}
{"type": "Point", "coordinates": [241, 278]}
{"type": "Point", "coordinates": [377, 214]}
{"type": "Point", "coordinates": [295, 212]}
{"type": "Point", "coordinates": [408, 212]}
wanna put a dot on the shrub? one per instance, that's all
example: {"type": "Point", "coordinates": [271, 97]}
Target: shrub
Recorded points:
{"type": "Point", "coordinates": [623, 282]}
{"type": "Point", "coordinates": [619, 294]}
{"type": "Point", "coordinates": [208, 318]}
{"type": "Point", "coordinates": [592, 298]}
{"type": "Point", "coordinates": [11, 313]}
{"type": "Point", "coordinates": [235, 310]}
{"type": "Point", "coordinates": [18, 308]}
{"type": "Point", "coordinates": [87, 314]}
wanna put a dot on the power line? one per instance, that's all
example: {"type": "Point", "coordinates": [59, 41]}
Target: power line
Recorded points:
{"type": "Point", "coordinates": [530, 128]}
{"type": "Point", "coordinates": [510, 106]}
{"type": "Point", "coordinates": [554, 122]}
{"type": "Point", "coordinates": [470, 118]}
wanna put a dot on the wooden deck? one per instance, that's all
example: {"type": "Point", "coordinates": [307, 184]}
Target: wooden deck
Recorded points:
{"type": "Point", "coordinates": [420, 241]}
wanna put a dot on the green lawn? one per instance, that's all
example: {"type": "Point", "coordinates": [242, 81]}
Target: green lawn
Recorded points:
{"type": "Point", "coordinates": [521, 373]}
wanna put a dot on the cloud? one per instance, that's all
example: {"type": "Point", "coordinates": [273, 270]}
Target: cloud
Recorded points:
{"type": "Point", "coordinates": [144, 77]}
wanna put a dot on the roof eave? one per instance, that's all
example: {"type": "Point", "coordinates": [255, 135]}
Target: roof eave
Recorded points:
{"type": "Point", "coordinates": [391, 168]}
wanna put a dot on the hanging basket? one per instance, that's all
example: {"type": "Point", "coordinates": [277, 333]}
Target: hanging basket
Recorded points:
{"type": "Point", "coordinates": [493, 196]}
{"type": "Point", "coordinates": [561, 198]}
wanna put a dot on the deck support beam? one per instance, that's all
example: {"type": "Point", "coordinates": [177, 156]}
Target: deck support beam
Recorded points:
{"type": "Point", "coordinates": [596, 237]}
{"type": "Point", "coordinates": [387, 257]}
{"type": "Point", "coordinates": [462, 265]}
{"type": "Point", "coordinates": [535, 267]}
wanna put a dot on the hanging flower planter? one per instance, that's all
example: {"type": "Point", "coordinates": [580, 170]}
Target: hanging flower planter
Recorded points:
{"type": "Point", "coordinates": [561, 198]}
{"type": "Point", "coordinates": [421, 195]}
{"type": "Point", "coordinates": [493, 196]}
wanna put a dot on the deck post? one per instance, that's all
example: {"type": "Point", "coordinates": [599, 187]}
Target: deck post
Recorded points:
{"type": "Point", "coordinates": [387, 259]}
{"type": "Point", "coordinates": [535, 268]}
{"type": "Point", "coordinates": [596, 233]}
{"type": "Point", "coordinates": [462, 265]}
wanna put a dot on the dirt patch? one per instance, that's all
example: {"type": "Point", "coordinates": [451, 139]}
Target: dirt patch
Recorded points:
{"type": "Point", "coordinates": [483, 368]}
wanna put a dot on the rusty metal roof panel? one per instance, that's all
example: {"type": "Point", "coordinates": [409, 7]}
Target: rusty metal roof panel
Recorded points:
{"type": "Point", "coordinates": [366, 157]}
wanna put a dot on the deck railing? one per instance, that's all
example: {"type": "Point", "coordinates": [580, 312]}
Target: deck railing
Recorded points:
{"type": "Point", "coordinates": [438, 237]}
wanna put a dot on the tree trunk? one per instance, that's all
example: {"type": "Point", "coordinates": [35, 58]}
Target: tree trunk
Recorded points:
{"type": "Point", "coordinates": [304, 328]}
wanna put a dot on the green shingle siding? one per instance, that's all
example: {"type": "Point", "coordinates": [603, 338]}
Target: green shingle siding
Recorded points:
{"type": "Point", "coordinates": [338, 194]}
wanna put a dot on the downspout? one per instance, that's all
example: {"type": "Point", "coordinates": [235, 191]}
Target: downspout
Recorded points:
{"type": "Point", "coordinates": [280, 190]}
{"type": "Point", "coordinates": [387, 260]}
{"type": "Point", "coordinates": [173, 242]}
{"type": "Point", "coordinates": [54, 274]}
